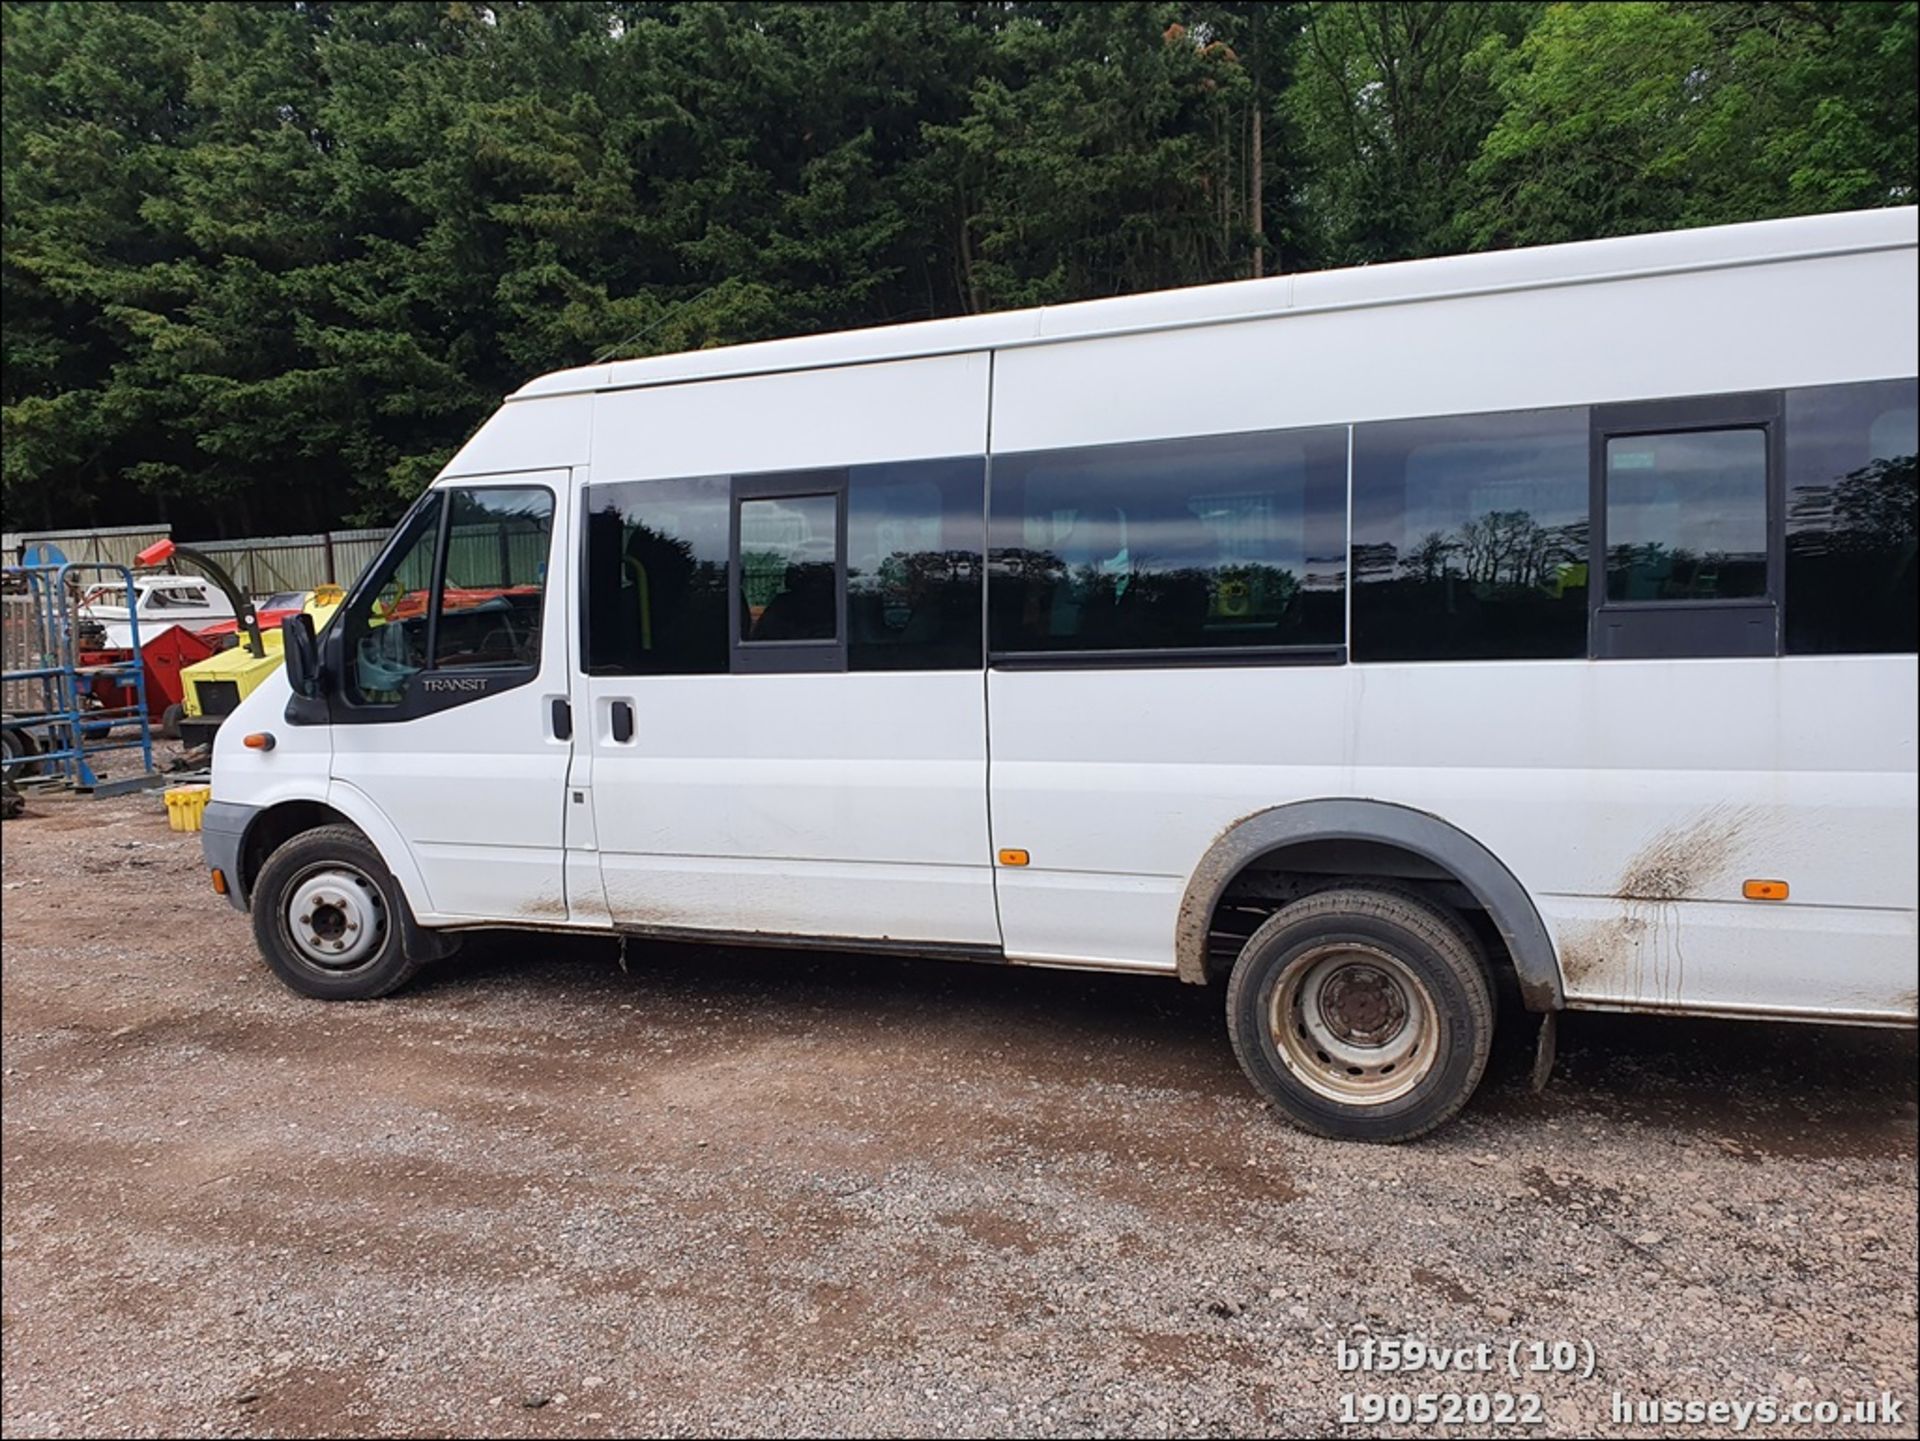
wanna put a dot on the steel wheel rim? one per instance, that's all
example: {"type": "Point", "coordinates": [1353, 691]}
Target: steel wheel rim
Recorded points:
{"type": "Point", "coordinates": [335, 917]}
{"type": "Point", "coordinates": [1354, 1024]}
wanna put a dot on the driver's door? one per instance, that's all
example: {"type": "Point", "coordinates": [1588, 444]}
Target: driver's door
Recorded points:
{"type": "Point", "coordinates": [450, 656]}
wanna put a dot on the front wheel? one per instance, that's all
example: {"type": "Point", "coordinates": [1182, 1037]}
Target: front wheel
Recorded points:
{"type": "Point", "coordinates": [1363, 1014]}
{"type": "Point", "coordinates": [328, 917]}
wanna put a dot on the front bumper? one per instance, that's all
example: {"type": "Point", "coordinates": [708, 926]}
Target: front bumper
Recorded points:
{"type": "Point", "coordinates": [223, 830]}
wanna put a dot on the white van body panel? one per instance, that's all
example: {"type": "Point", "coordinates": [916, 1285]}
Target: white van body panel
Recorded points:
{"type": "Point", "coordinates": [908, 410]}
{"type": "Point", "coordinates": [1575, 777]}
{"type": "Point", "coordinates": [296, 768]}
{"type": "Point", "coordinates": [1700, 333]}
{"type": "Point", "coordinates": [557, 434]}
{"type": "Point", "coordinates": [862, 814]}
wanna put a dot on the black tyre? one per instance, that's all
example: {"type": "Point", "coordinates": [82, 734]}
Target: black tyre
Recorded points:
{"type": "Point", "coordinates": [170, 721]}
{"type": "Point", "coordinates": [329, 918]}
{"type": "Point", "coordinates": [17, 752]}
{"type": "Point", "coordinates": [1362, 1013]}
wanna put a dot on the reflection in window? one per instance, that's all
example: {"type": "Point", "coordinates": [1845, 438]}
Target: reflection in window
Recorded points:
{"type": "Point", "coordinates": [1213, 542]}
{"type": "Point", "coordinates": [1470, 537]}
{"type": "Point", "coordinates": [913, 565]}
{"type": "Point", "coordinates": [1687, 515]}
{"type": "Point", "coordinates": [385, 627]}
{"type": "Point", "coordinates": [496, 577]}
{"type": "Point", "coordinates": [789, 568]}
{"type": "Point", "coordinates": [656, 585]}
{"type": "Point", "coordinates": [1852, 519]}
{"type": "Point", "coordinates": [656, 591]}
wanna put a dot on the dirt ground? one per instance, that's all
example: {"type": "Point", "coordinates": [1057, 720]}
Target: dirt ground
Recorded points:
{"type": "Point", "coordinates": [734, 1192]}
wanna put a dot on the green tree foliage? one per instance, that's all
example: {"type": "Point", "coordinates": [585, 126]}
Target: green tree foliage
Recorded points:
{"type": "Point", "coordinates": [1644, 116]}
{"type": "Point", "coordinates": [265, 265]}
{"type": "Point", "coordinates": [1392, 103]}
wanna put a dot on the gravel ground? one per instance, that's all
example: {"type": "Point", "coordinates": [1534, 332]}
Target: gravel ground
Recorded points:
{"type": "Point", "coordinates": [780, 1193]}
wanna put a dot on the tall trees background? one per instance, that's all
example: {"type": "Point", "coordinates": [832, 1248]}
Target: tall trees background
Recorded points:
{"type": "Point", "coordinates": [266, 265]}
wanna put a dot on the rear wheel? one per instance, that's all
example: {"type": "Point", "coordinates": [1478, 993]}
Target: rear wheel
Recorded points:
{"type": "Point", "coordinates": [329, 918]}
{"type": "Point", "coordinates": [1362, 1013]}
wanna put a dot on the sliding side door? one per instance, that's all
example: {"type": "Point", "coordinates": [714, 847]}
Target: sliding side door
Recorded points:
{"type": "Point", "coordinates": [784, 731]}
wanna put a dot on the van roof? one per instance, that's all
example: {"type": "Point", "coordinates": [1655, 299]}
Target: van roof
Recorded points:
{"type": "Point", "coordinates": [1714, 247]}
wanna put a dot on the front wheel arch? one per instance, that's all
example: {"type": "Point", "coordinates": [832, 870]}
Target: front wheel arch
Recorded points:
{"type": "Point", "coordinates": [274, 827]}
{"type": "Point", "coordinates": [280, 823]}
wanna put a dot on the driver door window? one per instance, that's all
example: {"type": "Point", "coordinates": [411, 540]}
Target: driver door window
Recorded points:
{"type": "Point", "coordinates": [494, 579]}
{"type": "Point", "coordinates": [461, 590]}
{"type": "Point", "coordinates": [386, 626]}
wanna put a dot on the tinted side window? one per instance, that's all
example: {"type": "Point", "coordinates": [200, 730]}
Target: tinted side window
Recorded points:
{"type": "Point", "coordinates": [913, 565]}
{"type": "Point", "coordinates": [1851, 519]}
{"type": "Point", "coordinates": [1687, 515]}
{"type": "Point", "coordinates": [789, 568]}
{"type": "Point", "coordinates": [1470, 537]}
{"type": "Point", "coordinates": [496, 578]}
{"type": "Point", "coordinates": [1216, 542]}
{"type": "Point", "coordinates": [656, 577]}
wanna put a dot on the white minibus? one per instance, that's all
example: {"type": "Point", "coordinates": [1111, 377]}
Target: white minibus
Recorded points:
{"type": "Point", "coordinates": [1369, 642]}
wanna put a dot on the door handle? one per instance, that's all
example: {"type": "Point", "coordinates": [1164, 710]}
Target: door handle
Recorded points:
{"type": "Point", "coordinates": [622, 722]}
{"type": "Point", "coordinates": [562, 719]}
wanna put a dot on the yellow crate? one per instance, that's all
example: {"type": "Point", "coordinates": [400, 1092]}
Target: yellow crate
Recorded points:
{"type": "Point", "coordinates": [185, 806]}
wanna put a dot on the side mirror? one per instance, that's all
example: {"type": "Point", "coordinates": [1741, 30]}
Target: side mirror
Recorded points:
{"type": "Point", "coordinates": [302, 653]}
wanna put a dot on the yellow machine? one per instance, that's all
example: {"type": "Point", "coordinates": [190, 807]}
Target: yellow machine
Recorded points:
{"type": "Point", "coordinates": [211, 688]}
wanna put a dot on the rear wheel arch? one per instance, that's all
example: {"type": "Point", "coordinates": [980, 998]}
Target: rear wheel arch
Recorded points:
{"type": "Point", "coordinates": [1433, 850]}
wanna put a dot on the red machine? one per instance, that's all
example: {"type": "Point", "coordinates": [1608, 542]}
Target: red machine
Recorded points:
{"type": "Point", "coordinates": [163, 658]}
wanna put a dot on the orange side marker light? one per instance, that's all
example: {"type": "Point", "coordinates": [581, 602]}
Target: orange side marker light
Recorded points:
{"type": "Point", "coordinates": [1764, 890]}
{"type": "Point", "coordinates": [259, 741]}
{"type": "Point", "coordinates": [1013, 858]}
{"type": "Point", "coordinates": [219, 881]}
